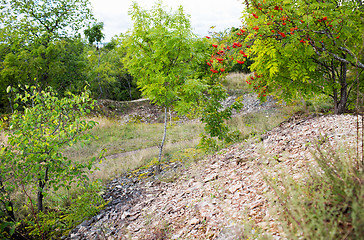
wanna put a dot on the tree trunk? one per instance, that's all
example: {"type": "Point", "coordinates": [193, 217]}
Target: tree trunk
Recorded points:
{"type": "Point", "coordinates": [343, 101]}
{"type": "Point", "coordinates": [334, 90]}
{"type": "Point", "coordinates": [343, 91]}
{"type": "Point", "coordinates": [158, 167]}
{"type": "Point", "coordinates": [98, 74]}
{"type": "Point", "coordinates": [41, 185]}
{"type": "Point", "coordinates": [40, 196]}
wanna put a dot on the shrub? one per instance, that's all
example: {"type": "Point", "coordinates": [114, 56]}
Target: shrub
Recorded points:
{"type": "Point", "coordinates": [32, 161]}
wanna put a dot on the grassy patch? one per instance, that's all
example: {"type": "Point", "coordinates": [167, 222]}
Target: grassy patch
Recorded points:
{"type": "Point", "coordinates": [119, 138]}
{"type": "Point", "coordinates": [320, 103]}
{"type": "Point", "coordinates": [236, 82]}
{"type": "Point", "coordinates": [254, 124]}
{"type": "Point", "coordinates": [132, 145]}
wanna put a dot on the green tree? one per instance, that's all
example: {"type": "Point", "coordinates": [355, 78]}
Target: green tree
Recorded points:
{"type": "Point", "coordinates": [94, 35]}
{"type": "Point", "coordinates": [302, 48]}
{"type": "Point", "coordinates": [159, 50]}
{"type": "Point", "coordinates": [65, 65]}
{"type": "Point", "coordinates": [44, 21]}
{"type": "Point", "coordinates": [107, 76]}
{"type": "Point", "coordinates": [33, 33]}
{"type": "Point", "coordinates": [32, 159]}
{"type": "Point", "coordinates": [121, 85]}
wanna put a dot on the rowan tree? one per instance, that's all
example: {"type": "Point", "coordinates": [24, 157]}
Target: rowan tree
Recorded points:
{"type": "Point", "coordinates": [300, 48]}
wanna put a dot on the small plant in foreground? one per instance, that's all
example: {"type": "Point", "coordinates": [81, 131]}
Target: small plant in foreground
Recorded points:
{"type": "Point", "coordinates": [329, 203]}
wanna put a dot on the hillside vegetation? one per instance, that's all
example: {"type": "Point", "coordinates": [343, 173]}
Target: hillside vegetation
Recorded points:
{"type": "Point", "coordinates": [208, 152]}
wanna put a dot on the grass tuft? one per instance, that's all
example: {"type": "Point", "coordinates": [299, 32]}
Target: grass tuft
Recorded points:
{"type": "Point", "coordinates": [256, 124]}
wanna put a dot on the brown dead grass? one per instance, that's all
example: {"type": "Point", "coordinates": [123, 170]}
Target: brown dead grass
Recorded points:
{"type": "Point", "coordinates": [236, 81]}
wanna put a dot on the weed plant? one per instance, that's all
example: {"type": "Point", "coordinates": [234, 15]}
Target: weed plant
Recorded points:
{"type": "Point", "coordinates": [71, 211]}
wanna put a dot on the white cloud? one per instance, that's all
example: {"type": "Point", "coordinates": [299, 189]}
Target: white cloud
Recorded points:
{"type": "Point", "coordinates": [204, 14]}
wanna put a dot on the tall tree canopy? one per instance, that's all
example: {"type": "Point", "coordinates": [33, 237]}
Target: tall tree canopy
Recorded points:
{"type": "Point", "coordinates": [45, 20]}
{"type": "Point", "coordinates": [158, 49]}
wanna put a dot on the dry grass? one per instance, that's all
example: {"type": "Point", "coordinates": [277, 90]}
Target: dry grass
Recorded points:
{"type": "Point", "coordinates": [109, 168]}
{"type": "Point", "coordinates": [236, 82]}
{"type": "Point", "coordinates": [119, 138]}
{"type": "Point", "coordinates": [102, 122]}
{"type": "Point", "coordinates": [132, 145]}
{"type": "Point", "coordinates": [253, 124]}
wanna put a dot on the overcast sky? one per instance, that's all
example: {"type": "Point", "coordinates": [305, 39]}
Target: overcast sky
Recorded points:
{"type": "Point", "coordinates": [204, 14]}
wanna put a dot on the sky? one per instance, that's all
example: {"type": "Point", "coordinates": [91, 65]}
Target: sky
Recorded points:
{"type": "Point", "coordinates": [204, 13]}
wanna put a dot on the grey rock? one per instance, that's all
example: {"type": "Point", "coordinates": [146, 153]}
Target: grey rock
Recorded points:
{"type": "Point", "coordinates": [233, 232]}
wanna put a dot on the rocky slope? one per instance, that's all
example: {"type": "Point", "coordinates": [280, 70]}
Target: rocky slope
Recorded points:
{"type": "Point", "coordinates": [215, 197]}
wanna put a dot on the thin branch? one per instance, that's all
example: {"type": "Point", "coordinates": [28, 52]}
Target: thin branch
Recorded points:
{"type": "Point", "coordinates": [335, 56]}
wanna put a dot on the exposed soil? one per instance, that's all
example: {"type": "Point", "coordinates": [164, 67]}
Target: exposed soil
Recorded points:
{"type": "Point", "coordinates": [140, 110]}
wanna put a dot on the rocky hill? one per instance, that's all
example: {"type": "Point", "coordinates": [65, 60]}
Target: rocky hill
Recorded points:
{"type": "Point", "coordinates": [217, 197]}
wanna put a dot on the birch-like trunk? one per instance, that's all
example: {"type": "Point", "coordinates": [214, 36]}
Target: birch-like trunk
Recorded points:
{"type": "Point", "coordinates": [158, 167]}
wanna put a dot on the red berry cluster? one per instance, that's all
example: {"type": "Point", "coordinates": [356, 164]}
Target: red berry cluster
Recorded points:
{"type": "Point", "coordinates": [280, 23]}
{"type": "Point", "coordinates": [220, 55]}
{"type": "Point", "coordinates": [262, 90]}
